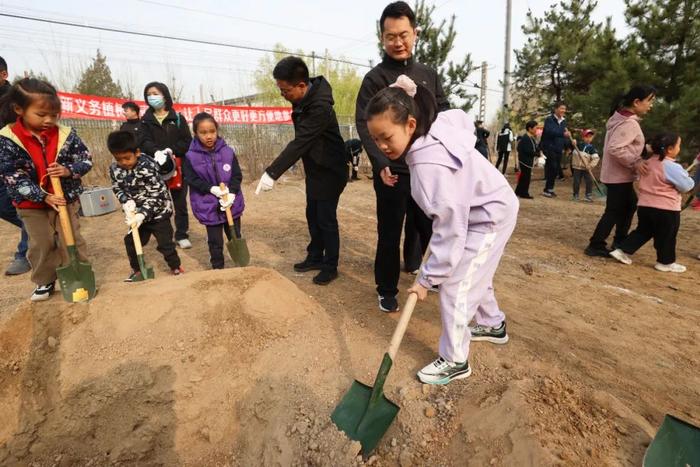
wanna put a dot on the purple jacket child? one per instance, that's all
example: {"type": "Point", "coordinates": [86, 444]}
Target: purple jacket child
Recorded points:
{"type": "Point", "coordinates": [203, 169]}
{"type": "Point", "coordinates": [474, 211]}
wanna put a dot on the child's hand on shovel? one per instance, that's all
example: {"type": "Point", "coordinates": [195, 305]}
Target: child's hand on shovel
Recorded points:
{"type": "Point", "coordinates": [57, 170]}
{"type": "Point", "coordinates": [419, 290]}
{"type": "Point", "coordinates": [55, 201]}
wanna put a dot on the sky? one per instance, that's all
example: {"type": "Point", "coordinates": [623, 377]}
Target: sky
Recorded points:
{"type": "Point", "coordinates": [343, 28]}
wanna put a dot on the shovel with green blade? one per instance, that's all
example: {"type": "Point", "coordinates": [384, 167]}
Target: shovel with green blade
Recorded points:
{"type": "Point", "coordinates": [364, 413]}
{"type": "Point", "coordinates": [77, 279]}
{"type": "Point", "coordinates": [146, 271]}
{"type": "Point", "coordinates": [237, 246]}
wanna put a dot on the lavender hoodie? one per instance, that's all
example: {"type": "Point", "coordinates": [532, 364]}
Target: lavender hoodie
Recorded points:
{"type": "Point", "coordinates": [458, 189]}
{"type": "Point", "coordinates": [624, 142]}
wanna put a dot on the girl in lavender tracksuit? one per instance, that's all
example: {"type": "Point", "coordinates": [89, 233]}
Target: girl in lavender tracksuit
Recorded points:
{"type": "Point", "coordinates": [473, 210]}
{"type": "Point", "coordinates": [208, 163]}
{"type": "Point", "coordinates": [659, 211]}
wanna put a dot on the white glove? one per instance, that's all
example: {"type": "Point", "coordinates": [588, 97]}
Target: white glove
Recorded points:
{"type": "Point", "coordinates": [161, 157]}
{"type": "Point", "coordinates": [266, 183]}
{"type": "Point", "coordinates": [129, 207]}
{"type": "Point", "coordinates": [228, 202]}
{"type": "Point", "coordinates": [218, 192]}
{"type": "Point", "coordinates": [136, 219]}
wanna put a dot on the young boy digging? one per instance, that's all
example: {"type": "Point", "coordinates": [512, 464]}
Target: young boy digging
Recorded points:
{"type": "Point", "coordinates": [145, 199]}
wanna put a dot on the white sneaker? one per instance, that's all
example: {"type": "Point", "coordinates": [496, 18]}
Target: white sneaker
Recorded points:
{"type": "Point", "coordinates": [621, 256]}
{"type": "Point", "coordinates": [42, 292]}
{"type": "Point", "coordinates": [442, 372]}
{"type": "Point", "coordinates": [673, 267]}
{"type": "Point", "coordinates": [184, 243]}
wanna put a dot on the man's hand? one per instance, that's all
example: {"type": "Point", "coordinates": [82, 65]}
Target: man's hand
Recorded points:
{"type": "Point", "coordinates": [266, 183]}
{"type": "Point", "coordinates": [567, 134]}
{"type": "Point", "coordinates": [55, 201]}
{"type": "Point", "coordinates": [57, 170]}
{"type": "Point", "coordinates": [387, 177]}
{"type": "Point", "coordinates": [419, 290]}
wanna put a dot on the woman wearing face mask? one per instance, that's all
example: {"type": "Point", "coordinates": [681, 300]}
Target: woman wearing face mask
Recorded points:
{"type": "Point", "coordinates": [166, 133]}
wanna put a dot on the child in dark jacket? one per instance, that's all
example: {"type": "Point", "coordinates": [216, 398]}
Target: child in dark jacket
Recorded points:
{"type": "Point", "coordinates": [209, 163]}
{"type": "Point", "coordinates": [137, 183]}
{"type": "Point", "coordinates": [33, 149]}
{"type": "Point", "coordinates": [527, 151]}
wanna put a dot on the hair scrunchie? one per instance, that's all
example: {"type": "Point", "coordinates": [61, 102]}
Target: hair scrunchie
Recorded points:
{"type": "Point", "coordinates": [407, 84]}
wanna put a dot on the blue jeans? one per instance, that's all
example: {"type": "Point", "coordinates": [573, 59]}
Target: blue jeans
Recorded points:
{"type": "Point", "coordinates": [9, 213]}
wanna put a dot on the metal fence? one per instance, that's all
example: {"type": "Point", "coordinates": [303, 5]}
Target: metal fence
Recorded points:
{"type": "Point", "coordinates": [255, 145]}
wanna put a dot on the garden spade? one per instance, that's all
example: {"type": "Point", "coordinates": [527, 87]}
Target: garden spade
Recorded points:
{"type": "Point", "coordinates": [364, 413]}
{"type": "Point", "coordinates": [146, 271]}
{"type": "Point", "coordinates": [237, 246]}
{"type": "Point", "coordinates": [677, 444]}
{"type": "Point", "coordinates": [77, 279]}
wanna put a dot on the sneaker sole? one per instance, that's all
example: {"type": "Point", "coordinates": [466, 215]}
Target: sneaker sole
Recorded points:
{"type": "Point", "coordinates": [491, 339]}
{"type": "Point", "coordinates": [446, 380]}
{"type": "Point", "coordinates": [620, 258]}
{"type": "Point", "coordinates": [40, 298]}
{"type": "Point", "coordinates": [386, 310]}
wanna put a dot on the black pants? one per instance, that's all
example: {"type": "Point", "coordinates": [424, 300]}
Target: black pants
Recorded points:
{"type": "Point", "coordinates": [503, 156]}
{"type": "Point", "coordinates": [215, 240]}
{"type": "Point", "coordinates": [322, 220]}
{"type": "Point", "coordinates": [661, 225]}
{"type": "Point", "coordinates": [523, 186]}
{"type": "Point", "coordinates": [182, 223]}
{"type": "Point", "coordinates": [620, 206]}
{"type": "Point", "coordinates": [552, 168]}
{"type": "Point", "coordinates": [393, 205]}
{"type": "Point", "coordinates": [582, 174]}
{"type": "Point", "coordinates": [162, 230]}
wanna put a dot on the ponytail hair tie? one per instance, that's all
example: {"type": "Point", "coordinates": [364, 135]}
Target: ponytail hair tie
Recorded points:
{"type": "Point", "coordinates": [407, 84]}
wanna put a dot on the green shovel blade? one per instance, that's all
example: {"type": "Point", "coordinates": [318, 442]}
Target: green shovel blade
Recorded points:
{"type": "Point", "coordinates": [677, 444]}
{"type": "Point", "coordinates": [364, 413]}
{"type": "Point", "coordinates": [238, 249]}
{"type": "Point", "coordinates": [77, 279]}
{"type": "Point", "coordinates": [146, 271]}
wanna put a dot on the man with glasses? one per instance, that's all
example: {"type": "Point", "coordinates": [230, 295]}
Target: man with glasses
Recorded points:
{"type": "Point", "coordinates": [392, 184]}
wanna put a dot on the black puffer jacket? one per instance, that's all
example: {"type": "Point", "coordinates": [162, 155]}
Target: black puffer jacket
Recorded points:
{"type": "Point", "coordinates": [317, 142]}
{"type": "Point", "coordinates": [173, 133]}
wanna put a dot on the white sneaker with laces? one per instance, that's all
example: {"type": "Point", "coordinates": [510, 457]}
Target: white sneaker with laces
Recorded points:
{"type": "Point", "coordinates": [621, 256]}
{"type": "Point", "coordinates": [673, 267]}
{"type": "Point", "coordinates": [185, 244]}
{"type": "Point", "coordinates": [441, 371]}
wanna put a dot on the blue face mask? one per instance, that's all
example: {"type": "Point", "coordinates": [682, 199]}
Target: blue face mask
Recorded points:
{"type": "Point", "coordinates": [157, 102]}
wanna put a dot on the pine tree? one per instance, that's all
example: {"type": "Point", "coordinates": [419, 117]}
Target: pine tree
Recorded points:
{"type": "Point", "coordinates": [97, 79]}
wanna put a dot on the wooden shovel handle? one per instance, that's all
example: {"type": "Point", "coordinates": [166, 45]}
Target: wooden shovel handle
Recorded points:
{"type": "Point", "coordinates": [63, 213]}
{"type": "Point", "coordinates": [229, 217]}
{"type": "Point", "coordinates": [137, 238]}
{"type": "Point", "coordinates": [405, 317]}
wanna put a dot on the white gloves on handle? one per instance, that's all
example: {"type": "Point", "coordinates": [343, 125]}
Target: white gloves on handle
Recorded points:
{"type": "Point", "coordinates": [266, 183]}
{"type": "Point", "coordinates": [129, 207]}
{"type": "Point", "coordinates": [228, 202]}
{"type": "Point", "coordinates": [218, 192]}
{"type": "Point", "coordinates": [135, 219]}
{"type": "Point", "coordinates": [162, 156]}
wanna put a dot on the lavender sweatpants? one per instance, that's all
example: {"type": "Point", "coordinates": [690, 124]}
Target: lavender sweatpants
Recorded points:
{"type": "Point", "coordinates": [468, 294]}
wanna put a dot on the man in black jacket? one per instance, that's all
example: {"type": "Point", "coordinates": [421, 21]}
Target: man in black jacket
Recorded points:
{"type": "Point", "coordinates": [133, 125]}
{"type": "Point", "coordinates": [318, 143]}
{"type": "Point", "coordinates": [392, 184]}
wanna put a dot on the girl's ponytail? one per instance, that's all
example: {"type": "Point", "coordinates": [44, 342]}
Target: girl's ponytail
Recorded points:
{"type": "Point", "coordinates": [427, 111]}
{"type": "Point", "coordinates": [662, 142]}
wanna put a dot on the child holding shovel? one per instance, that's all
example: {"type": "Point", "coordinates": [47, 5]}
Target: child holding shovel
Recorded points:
{"type": "Point", "coordinates": [209, 163]}
{"type": "Point", "coordinates": [583, 159]}
{"type": "Point", "coordinates": [137, 183]}
{"type": "Point", "coordinates": [33, 149]}
{"type": "Point", "coordinates": [473, 212]}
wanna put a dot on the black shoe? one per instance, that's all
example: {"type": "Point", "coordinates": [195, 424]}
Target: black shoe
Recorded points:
{"type": "Point", "coordinates": [388, 304]}
{"type": "Point", "coordinates": [308, 265]}
{"type": "Point", "coordinates": [525, 196]}
{"type": "Point", "coordinates": [325, 277]}
{"type": "Point", "coordinates": [593, 251]}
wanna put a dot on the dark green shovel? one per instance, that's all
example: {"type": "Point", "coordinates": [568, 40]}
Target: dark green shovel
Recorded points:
{"type": "Point", "coordinates": [677, 444]}
{"type": "Point", "coordinates": [237, 246]}
{"type": "Point", "coordinates": [146, 271]}
{"type": "Point", "coordinates": [364, 413]}
{"type": "Point", "coordinates": [77, 279]}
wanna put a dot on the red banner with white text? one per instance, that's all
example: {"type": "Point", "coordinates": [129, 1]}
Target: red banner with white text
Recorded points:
{"type": "Point", "coordinates": [80, 106]}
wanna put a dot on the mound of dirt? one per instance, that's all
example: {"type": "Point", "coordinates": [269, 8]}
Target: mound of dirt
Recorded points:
{"type": "Point", "coordinates": [210, 367]}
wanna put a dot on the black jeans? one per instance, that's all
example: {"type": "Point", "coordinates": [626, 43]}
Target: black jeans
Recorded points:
{"type": "Point", "coordinates": [215, 241]}
{"type": "Point", "coordinates": [552, 168]}
{"type": "Point", "coordinates": [162, 230]}
{"type": "Point", "coordinates": [661, 225]}
{"type": "Point", "coordinates": [393, 205]}
{"type": "Point", "coordinates": [620, 206]}
{"type": "Point", "coordinates": [503, 156]}
{"type": "Point", "coordinates": [582, 174]}
{"type": "Point", "coordinates": [523, 186]}
{"type": "Point", "coordinates": [182, 223]}
{"type": "Point", "coordinates": [322, 220]}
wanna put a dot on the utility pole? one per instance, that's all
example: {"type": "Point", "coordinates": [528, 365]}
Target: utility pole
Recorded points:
{"type": "Point", "coordinates": [313, 63]}
{"type": "Point", "coordinates": [482, 94]}
{"type": "Point", "coordinates": [506, 64]}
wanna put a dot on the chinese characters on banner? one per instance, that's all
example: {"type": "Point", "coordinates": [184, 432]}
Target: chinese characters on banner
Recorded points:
{"type": "Point", "coordinates": [80, 106]}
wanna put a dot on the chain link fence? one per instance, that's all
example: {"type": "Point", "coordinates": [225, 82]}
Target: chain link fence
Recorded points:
{"type": "Point", "coordinates": [255, 145]}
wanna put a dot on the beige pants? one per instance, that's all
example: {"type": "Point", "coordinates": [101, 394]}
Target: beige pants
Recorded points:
{"type": "Point", "coordinates": [47, 248]}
